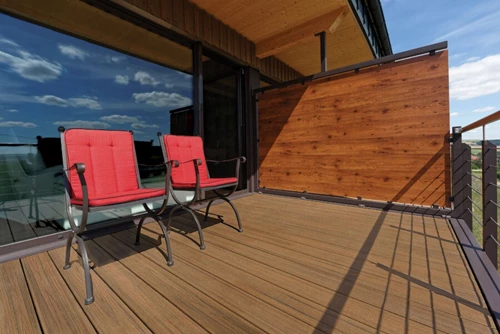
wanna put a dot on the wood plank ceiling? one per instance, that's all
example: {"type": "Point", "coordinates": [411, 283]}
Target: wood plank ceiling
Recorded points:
{"type": "Point", "coordinates": [261, 20]}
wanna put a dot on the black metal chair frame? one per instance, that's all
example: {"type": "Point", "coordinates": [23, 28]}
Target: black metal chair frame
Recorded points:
{"type": "Point", "coordinates": [78, 230]}
{"type": "Point", "coordinates": [186, 206]}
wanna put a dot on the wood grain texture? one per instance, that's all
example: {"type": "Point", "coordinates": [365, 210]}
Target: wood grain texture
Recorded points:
{"type": "Point", "coordinates": [17, 312]}
{"type": "Point", "coordinates": [201, 23]}
{"type": "Point", "coordinates": [160, 315]}
{"type": "Point", "coordinates": [300, 266]}
{"type": "Point", "coordinates": [106, 308]}
{"type": "Point", "coordinates": [379, 134]}
{"type": "Point", "coordinates": [57, 308]}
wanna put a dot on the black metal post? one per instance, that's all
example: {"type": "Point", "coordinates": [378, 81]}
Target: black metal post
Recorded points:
{"type": "Point", "coordinates": [252, 82]}
{"type": "Point", "coordinates": [462, 178]}
{"type": "Point", "coordinates": [490, 227]}
{"type": "Point", "coordinates": [322, 40]}
{"type": "Point", "coordinates": [198, 90]}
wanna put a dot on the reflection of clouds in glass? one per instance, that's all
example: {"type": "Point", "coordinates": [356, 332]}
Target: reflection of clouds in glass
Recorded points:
{"type": "Point", "coordinates": [144, 78]}
{"type": "Point", "coordinates": [16, 124]}
{"type": "Point", "coordinates": [8, 41]}
{"type": "Point", "coordinates": [119, 119]}
{"type": "Point", "coordinates": [78, 102]}
{"type": "Point", "coordinates": [12, 110]}
{"type": "Point", "coordinates": [31, 67]}
{"type": "Point", "coordinates": [115, 59]}
{"type": "Point", "coordinates": [52, 100]}
{"type": "Point", "coordinates": [83, 124]}
{"type": "Point", "coordinates": [162, 99]}
{"type": "Point", "coordinates": [72, 52]}
{"type": "Point", "coordinates": [121, 79]}
{"type": "Point", "coordinates": [143, 125]}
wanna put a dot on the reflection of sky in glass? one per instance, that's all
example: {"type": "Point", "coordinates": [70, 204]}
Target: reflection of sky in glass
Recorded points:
{"type": "Point", "coordinates": [48, 79]}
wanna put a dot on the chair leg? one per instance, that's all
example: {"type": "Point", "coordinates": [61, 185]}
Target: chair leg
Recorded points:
{"type": "Point", "coordinates": [67, 264]}
{"type": "Point", "coordinates": [171, 214]}
{"type": "Point", "coordinates": [240, 228]}
{"type": "Point", "coordinates": [138, 236]}
{"type": "Point", "coordinates": [86, 268]}
{"type": "Point", "coordinates": [200, 232]}
{"type": "Point", "coordinates": [170, 258]}
{"type": "Point", "coordinates": [208, 209]}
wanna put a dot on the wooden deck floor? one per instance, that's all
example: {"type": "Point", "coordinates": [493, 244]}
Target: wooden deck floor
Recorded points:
{"type": "Point", "coordinates": [299, 267]}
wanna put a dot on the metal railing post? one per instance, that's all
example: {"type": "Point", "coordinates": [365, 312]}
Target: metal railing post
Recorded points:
{"type": "Point", "coordinates": [462, 178]}
{"type": "Point", "coordinates": [490, 225]}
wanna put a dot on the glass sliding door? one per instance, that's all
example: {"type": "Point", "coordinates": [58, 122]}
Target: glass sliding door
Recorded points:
{"type": "Point", "coordinates": [47, 80]}
{"type": "Point", "coordinates": [223, 126]}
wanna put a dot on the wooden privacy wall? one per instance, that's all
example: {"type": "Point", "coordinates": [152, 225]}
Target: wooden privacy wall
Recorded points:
{"type": "Point", "coordinates": [380, 134]}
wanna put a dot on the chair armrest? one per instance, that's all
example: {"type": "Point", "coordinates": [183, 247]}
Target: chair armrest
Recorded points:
{"type": "Point", "coordinates": [80, 169]}
{"type": "Point", "coordinates": [197, 162]}
{"type": "Point", "coordinates": [242, 159]}
{"type": "Point", "coordinates": [79, 166]}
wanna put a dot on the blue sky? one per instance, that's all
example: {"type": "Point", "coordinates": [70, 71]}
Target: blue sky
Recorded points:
{"type": "Point", "coordinates": [48, 79]}
{"type": "Point", "coordinates": [472, 29]}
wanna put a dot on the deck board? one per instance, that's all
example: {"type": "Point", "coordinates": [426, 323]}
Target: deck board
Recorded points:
{"type": "Point", "coordinates": [105, 311]}
{"type": "Point", "coordinates": [16, 307]}
{"type": "Point", "coordinates": [57, 308]}
{"type": "Point", "coordinates": [299, 266]}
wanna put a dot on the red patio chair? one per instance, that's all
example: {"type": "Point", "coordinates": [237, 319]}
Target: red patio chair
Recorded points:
{"type": "Point", "coordinates": [102, 173]}
{"type": "Point", "coordinates": [189, 172]}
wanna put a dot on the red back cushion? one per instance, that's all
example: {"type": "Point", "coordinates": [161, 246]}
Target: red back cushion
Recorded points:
{"type": "Point", "coordinates": [184, 148]}
{"type": "Point", "coordinates": [109, 160]}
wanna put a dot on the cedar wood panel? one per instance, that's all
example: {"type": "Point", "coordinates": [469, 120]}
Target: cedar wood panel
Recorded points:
{"type": "Point", "coordinates": [379, 134]}
{"type": "Point", "coordinates": [195, 21]}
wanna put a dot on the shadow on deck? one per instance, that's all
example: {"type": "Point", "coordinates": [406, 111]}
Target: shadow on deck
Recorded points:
{"type": "Point", "coordinates": [299, 266]}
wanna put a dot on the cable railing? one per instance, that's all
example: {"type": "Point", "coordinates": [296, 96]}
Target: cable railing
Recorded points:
{"type": "Point", "coordinates": [476, 190]}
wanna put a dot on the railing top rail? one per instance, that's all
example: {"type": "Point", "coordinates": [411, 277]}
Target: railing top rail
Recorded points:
{"type": "Point", "coordinates": [378, 61]}
{"type": "Point", "coordinates": [482, 122]}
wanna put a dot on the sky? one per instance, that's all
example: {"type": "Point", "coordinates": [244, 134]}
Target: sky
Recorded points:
{"type": "Point", "coordinates": [48, 80]}
{"type": "Point", "coordinates": [472, 29]}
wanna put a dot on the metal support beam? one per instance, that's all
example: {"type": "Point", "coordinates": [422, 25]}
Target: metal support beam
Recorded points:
{"type": "Point", "coordinates": [462, 179]}
{"type": "Point", "coordinates": [322, 41]}
{"type": "Point", "coordinates": [198, 89]}
{"type": "Point", "coordinates": [490, 228]}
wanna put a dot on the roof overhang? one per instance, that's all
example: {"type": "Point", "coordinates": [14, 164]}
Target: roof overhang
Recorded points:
{"type": "Point", "coordinates": [286, 29]}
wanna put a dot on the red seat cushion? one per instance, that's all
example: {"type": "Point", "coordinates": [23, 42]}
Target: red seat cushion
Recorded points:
{"type": "Point", "coordinates": [123, 197]}
{"type": "Point", "coordinates": [207, 183]}
{"type": "Point", "coordinates": [110, 165]}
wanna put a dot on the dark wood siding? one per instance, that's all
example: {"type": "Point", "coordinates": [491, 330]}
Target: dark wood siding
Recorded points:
{"type": "Point", "coordinates": [186, 16]}
{"type": "Point", "coordinates": [379, 134]}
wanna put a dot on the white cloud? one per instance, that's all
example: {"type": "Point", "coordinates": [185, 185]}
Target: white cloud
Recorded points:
{"type": "Point", "coordinates": [120, 119]}
{"type": "Point", "coordinates": [167, 85]}
{"type": "Point", "coordinates": [72, 52]}
{"type": "Point", "coordinates": [11, 124]}
{"type": "Point", "coordinates": [77, 102]}
{"type": "Point", "coordinates": [162, 99]}
{"type": "Point", "coordinates": [12, 110]}
{"type": "Point", "coordinates": [143, 126]}
{"type": "Point", "coordinates": [115, 59]}
{"type": "Point", "coordinates": [470, 59]}
{"type": "Point", "coordinates": [85, 102]}
{"type": "Point", "coordinates": [485, 109]}
{"type": "Point", "coordinates": [52, 100]}
{"type": "Point", "coordinates": [31, 67]}
{"type": "Point", "coordinates": [479, 25]}
{"type": "Point", "coordinates": [453, 114]}
{"type": "Point", "coordinates": [9, 42]}
{"type": "Point", "coordinates": [121, 79]}
{"type": "Point", "coordinates": [83, 124]}
{"type": "Point", "coordinates": [476, 78]}
{"type": "Point", "coordinates": [145, 78]}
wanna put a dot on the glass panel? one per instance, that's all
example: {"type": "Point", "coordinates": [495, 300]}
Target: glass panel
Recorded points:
{"type": "Point", "coordinates": [221, 93]}
{"type": "Point", "coordinates": [48, 80]}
